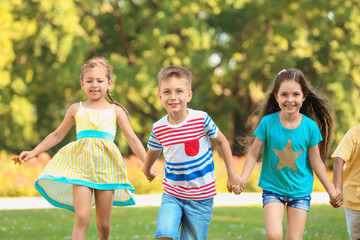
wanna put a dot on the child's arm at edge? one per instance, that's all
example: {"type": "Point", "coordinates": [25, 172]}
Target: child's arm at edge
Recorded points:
{"type": "Point", "coordinates": [226, 154]}
{"type": "Point", "coordinates": [320, 171]}
{"type": "Point", "coordinates": [151, 157]}
{"type": "Point", "coordinates": [338, 177]}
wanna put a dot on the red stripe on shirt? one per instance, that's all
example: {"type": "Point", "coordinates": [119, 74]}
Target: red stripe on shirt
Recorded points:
{"type": "Point", "coordinates": [180, 140]}
{"type": "Point", "coordinates": [202, 192]}
{"type": "Point", "coordinates": [190, 191]}
{"type": "Point", "coordinates": [201, 121]}
{"type": "Point", "coordinates": [179, 133]}
{"type": "Point", "coordinates": [198, 197]}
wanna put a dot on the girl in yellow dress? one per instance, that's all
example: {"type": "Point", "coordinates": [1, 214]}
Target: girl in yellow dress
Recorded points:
{"type": "Point", "coordinates": [91, 169]}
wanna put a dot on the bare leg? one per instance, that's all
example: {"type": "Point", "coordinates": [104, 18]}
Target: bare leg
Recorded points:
{"type": "Point", "coordinates": [296, 220]}
{"type": "Point", "coordinates": [104, 200]}
{"type": "Point", "coordinates": [273, 216]}
{"type": "Point", "coordinates": [82, 204]}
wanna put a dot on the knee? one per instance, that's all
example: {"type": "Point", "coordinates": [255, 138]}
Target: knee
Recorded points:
{"type": "Point", "coordinates": [82, 219]}
{"type": "Point", "coordinates": [166, 232]}
{"type": "Point", "coordinates": [274, 235]}
{"type": "Point", "coordinates": [103, 227]}
{"type": "Point", "coordinates": [165, 229]}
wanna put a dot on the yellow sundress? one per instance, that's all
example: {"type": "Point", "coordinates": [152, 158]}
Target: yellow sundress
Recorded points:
{"type": "Point", "coordinates": [93, 160]}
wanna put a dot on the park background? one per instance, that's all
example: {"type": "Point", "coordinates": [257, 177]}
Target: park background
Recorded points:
{"type": "Point", "coordinates": [234, 49]}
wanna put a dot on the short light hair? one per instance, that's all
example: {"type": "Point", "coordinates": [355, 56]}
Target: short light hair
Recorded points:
{"type": "Point", "coordinates": [175, 71]}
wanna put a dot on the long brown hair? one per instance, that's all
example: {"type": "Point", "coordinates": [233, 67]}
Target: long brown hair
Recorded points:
{"type": "Point", "coordinates": [315, 107]}
{"type": "Point", "coordinates": [101, 62]}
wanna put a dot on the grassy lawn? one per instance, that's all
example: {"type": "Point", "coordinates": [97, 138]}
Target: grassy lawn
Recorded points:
{"type": "Point", "coordinates": [227, 223]}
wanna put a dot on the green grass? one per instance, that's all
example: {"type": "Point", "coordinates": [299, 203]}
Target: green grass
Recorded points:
{"type": "Point", "coordinates": [227, 223]}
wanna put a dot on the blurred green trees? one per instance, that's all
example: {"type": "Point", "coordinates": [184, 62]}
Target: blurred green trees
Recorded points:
{"type": "Point", "coordinates": [234, 49]}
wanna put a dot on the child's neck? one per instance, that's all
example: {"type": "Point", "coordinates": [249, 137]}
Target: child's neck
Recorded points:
{"type": "Point", "coordinates": [290, 121]}
{"type": "Point", "coordinates": [98, 104]}
{"type": "Point", "coordinates": [177, 118]}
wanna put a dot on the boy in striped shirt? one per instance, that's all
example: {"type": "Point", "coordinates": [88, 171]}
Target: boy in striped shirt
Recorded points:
{"type": "Point", "coordinates": [184, 137]}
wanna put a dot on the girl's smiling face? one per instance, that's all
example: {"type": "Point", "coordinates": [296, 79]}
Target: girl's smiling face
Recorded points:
{"type": "Point", "coordinates": [95, 83]}
{"type": "Point", "coordinates": [290, 96]}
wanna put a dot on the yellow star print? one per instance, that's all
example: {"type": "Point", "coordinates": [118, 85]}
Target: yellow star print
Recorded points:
{"type": "Point", "coordinates": [287, 157]}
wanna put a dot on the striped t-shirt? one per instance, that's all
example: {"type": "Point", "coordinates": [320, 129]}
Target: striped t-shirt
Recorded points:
{"type": "Point", "coordinates": [189, 168]}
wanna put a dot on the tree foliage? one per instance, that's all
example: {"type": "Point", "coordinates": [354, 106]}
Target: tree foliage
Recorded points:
{"type": "Point", "coordinates": [234, 49]}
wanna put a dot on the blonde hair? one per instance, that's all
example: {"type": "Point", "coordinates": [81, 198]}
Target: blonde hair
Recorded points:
{"type": "Point", "coordinates": [175, 71]}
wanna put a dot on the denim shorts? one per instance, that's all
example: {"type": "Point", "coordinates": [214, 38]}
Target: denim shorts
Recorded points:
{"type": "Point", "coordinates": [192, 215]}
{"type": "Point", "coordinates": [294, 202]}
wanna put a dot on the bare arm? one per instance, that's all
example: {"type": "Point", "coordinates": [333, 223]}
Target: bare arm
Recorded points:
{"type": "Point", "coordinates": [133, 141]}
{"type": "Point", "coordinates": [338, 174]}
{"type": "Point", "coordinates": [320, 171]}
{"type": "Point", "coordinates": [338, 180]}
{"type": "Point", "coordinates": [225, 151]}
{"type": "Point", "coordinates": [151, 157]}
{"type": "Point", "coordinates": [53, 138]}
{"type": "Point", "coordinates": [251, 158]}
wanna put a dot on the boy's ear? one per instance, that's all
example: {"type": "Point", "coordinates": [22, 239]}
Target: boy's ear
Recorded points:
{"type": "Point", "coordinates": [159, 96]}
{"type": "Point", "coordinates": [190, 96]}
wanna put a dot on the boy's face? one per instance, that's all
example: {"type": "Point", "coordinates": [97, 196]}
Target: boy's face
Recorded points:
{"type": "Point", "coordinates": [174, 94]}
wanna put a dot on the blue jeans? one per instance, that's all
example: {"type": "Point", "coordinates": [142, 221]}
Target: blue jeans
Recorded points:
{"type": "Point", "coordinates": [192, 215]}
{"type": "Point", "coordinates": [295, 202]}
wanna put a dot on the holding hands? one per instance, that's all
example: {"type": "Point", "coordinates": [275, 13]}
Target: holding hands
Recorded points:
{"type": "Point", "coordinates": [236, 184]}
{"type": "Point", "coordinates": [337, 199]}
{"type": "Point", "coordinates": [150, 175]}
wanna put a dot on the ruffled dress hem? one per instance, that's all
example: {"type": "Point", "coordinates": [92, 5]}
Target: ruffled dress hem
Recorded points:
{"type": "Point", "coordinates": [111, 186]}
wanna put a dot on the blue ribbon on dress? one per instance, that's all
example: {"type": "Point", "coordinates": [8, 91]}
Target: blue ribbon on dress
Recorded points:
{"type": "Point", "coordinates": [95, 134]}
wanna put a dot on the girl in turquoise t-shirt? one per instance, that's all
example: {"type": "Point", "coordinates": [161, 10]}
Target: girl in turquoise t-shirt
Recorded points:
{"type": "Point", "coordinates": [295, 132]}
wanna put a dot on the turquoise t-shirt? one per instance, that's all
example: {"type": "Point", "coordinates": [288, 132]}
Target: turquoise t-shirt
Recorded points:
{"type": "Point", "coordinates": [286, 168]}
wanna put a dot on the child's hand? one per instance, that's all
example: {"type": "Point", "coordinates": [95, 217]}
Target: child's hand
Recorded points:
{"type": "Point", "coordinates": [236, 184]}
{"type": "Point", "coordinates": [25, 156]}
{"type": "Point", "coordinates": [150, 175]}
{"type": "Point", "coordinates": [337, 199]}
{"type": "Point", "coordinates": [237, 189]}
{"type": "Point", "coordinates": [16, 160]}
